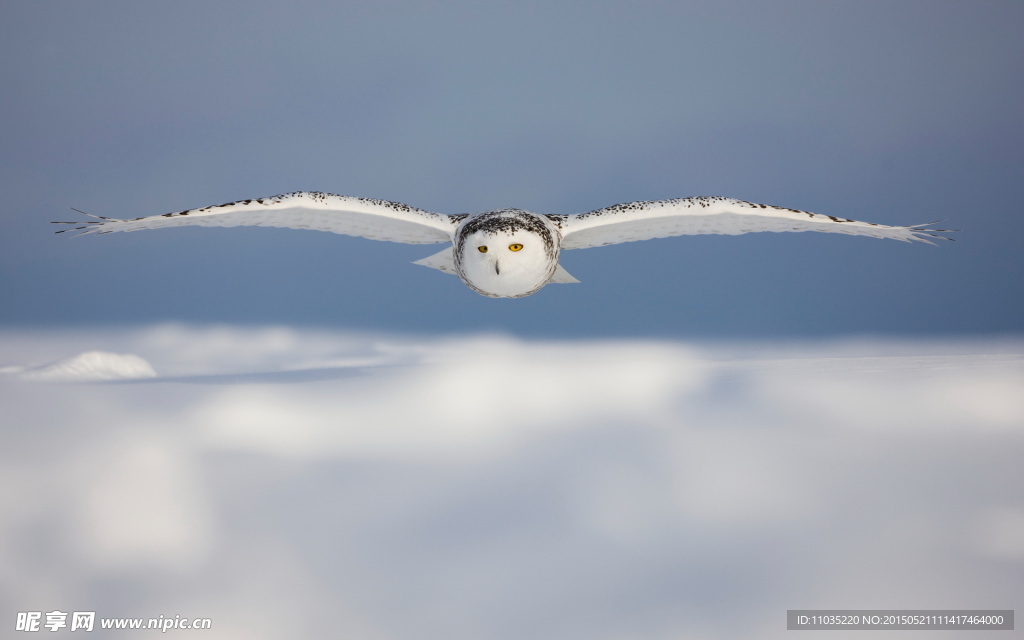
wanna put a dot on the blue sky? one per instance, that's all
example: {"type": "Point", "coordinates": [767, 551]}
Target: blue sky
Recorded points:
{"type": "Point", "coordinates": [897, 113]}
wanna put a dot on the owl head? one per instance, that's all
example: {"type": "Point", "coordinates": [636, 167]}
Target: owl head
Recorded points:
{"type": "Point", "coordinates": [506, 254]}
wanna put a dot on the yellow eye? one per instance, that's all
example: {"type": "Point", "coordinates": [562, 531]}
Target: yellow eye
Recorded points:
{"type": "Point", "coordinates": [482, 248]}
{"type": "Point", "coordinates": [515, 247]}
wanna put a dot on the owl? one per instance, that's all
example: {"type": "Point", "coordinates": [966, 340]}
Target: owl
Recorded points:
{"type": "Point", "coordinates": [507, 253]}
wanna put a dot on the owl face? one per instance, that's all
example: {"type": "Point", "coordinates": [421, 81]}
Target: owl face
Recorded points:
{"type": "Point", "coordinates": [506, 254]}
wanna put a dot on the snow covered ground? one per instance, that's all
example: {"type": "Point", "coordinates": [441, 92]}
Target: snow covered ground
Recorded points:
{"type": "Point", "coordinates": [300, 483]}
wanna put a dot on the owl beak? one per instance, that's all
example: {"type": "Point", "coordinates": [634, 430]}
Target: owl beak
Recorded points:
{"type": "Point", "coordinates": [497, 269]}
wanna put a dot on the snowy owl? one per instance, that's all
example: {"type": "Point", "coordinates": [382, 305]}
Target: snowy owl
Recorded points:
{"type": "Point", "coordinates": [508, 253]}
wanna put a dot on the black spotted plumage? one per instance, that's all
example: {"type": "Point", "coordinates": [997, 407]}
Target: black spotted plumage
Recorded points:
{"type": "Point", "coordinates": [508, 221]}
{"type": "Point", "coordinates": [396, 222]}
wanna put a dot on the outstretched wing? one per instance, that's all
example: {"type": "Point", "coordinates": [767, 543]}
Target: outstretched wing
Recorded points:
{"type": "Point", "coordinates": [374, 219]}
{"type": "Point", "coordinates": [694, 216]}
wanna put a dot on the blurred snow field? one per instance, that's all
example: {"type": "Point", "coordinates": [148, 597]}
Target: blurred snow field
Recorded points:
{"type": "Point", "coordinates": [297, 482]}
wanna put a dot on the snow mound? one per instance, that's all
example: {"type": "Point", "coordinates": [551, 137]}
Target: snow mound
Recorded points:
{"type": "Point", "coordinates": [93, 365]}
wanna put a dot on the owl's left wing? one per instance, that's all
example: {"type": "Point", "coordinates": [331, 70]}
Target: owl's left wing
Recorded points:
{"type": "Point", "coordinates": [693, 216]}
{"type": "Point", "coordinates": [364, 217]}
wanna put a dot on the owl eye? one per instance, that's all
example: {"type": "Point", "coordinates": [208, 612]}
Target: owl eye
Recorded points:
{"type": "Point", "coordinates": [482, 248]}
{"type": "Point", "coordinates": [515, 247]}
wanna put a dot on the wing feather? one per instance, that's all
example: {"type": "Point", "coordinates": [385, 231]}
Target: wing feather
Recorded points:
{"type": "Point", "coordinates": [712, 215]}
{"type": "Point", "coordinates": [364, 217]}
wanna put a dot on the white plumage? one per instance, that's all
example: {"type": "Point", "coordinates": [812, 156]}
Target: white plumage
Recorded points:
{"type": "Point", "coordinates": [507, 253]}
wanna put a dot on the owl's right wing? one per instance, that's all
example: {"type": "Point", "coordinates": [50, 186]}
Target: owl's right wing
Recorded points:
{"type": "Point", "coordinates": [364, 217]}
{"type": "Point", "coordinates": [692, 216]}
